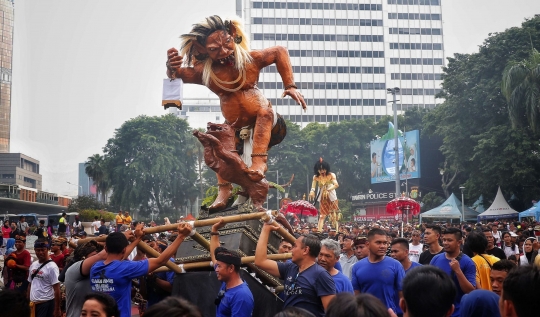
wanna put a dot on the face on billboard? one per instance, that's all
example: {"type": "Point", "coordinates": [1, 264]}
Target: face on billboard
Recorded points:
{"type": "Point", "coordinates": [383, 157]}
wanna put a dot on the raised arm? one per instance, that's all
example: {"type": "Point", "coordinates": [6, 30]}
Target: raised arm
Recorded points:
{"type": "Point", "coordinates": [184, 229]}
{"type": "Point", "coordinates": [280, 56]}
{"type": "Point", "coordinates": [261, 258]}
{"type": "Point", "coordinates": [190, 75]}
{"type": "Point", "coordinates": [86, 265]}
{"type": "Point", "coordinates": [214, 238]}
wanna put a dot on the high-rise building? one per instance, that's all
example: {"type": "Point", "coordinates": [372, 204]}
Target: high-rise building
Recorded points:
{"type": "Point", "coordinates": [6, 50]}
{"type": "Point", "coordinates": [346, 53]}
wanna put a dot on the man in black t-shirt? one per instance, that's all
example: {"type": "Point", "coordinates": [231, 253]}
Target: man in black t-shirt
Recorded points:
{"type": "Point", "coordinates": [491, 248]}
{"type": "Point", "coordinates": [431, 238]}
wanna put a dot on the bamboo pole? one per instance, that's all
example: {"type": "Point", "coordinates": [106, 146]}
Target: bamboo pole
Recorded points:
{"type": "Point", "coordinates": [205, 264]}
{"type": "Point", "coordinates": [154, 254]}
{"type": "Point", "coordinates": [284, 233]}
{"type": "Point", "coordinates": [209, 222]}
{"type": "Point", "coordinates": [197, 237]}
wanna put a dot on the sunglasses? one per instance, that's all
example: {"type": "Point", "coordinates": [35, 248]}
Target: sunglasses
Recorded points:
{"type": "Point", "coordinates": [219, 297]}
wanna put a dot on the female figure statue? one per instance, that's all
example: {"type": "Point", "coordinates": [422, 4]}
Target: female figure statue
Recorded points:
{"type": "Point", "coordinates": [326, 195]}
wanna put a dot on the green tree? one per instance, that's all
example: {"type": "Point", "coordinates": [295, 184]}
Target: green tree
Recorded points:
{"type": "Point", "coordinates": [85, 202]}
{"type": "Point", "coordinates": [151, 162]}
{"type": "Point", "coordinates": [430, 201]}
{"type": "Point", "coordinates": [95, 169]}
{"type": "Point", "coordinates": [521, 87]}
{"type": "Point", "coordinates": [473, 120]}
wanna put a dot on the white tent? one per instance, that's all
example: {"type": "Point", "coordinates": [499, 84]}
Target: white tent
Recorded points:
{"type": "Point", "coordinates": [499, 209]}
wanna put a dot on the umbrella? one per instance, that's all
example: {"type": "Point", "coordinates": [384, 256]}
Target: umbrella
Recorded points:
{"type": "Point", "coordinates": [401, 205]}
{"type": "Point", "coordinates": [302, 208]}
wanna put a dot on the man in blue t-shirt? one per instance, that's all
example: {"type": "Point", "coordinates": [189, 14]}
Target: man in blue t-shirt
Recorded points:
{"type": "Point", "coordinates": [234, 297]}
{"type": "Point", "coordinates": [399, 251]}
{"type": "Point", "coordinates": [307, 285]}
{"type": "Point", "coordinates": [377, 274]}
{"type": "Point", "coordinates": [113, 276]}
{"type": "Point", "coordinates": [457, 265]}
{"type": "Point", "coordinates": [328, 257]}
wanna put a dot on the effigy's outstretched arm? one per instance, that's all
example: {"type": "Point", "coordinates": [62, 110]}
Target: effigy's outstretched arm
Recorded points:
{"type": "Point", "coordinates": [280, 56]}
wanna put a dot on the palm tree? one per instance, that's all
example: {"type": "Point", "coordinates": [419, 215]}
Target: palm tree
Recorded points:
{"type": "Point", "coordinates": [94, 169]}
{"type": "Point", "coordinates": [521, 87]}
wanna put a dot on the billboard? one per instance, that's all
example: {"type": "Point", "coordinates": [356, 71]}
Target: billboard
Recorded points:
{"type": "Point", "coordinates": [383, 155]}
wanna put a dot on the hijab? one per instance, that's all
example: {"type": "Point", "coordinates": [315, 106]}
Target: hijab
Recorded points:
{"type": "Point", "coordinates": [480, 303]}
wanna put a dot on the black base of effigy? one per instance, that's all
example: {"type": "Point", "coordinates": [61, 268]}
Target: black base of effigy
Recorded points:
{"type": "Point", "coordinates": [201, 288]}
{"type": "Point", "coordinates": [240, 236]}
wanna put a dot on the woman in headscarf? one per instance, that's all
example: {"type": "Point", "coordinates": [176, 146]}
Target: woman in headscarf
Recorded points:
{"type": "Point", "coordinates": [480, 303]}
{"type": "Point", "coordinates": [528, 253]}
{"type": "Point", "coordinates": [10, 246]}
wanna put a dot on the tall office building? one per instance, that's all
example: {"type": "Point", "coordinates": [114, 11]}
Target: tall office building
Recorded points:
{"type": "Point", "coordinates": [346, 53]}
{"type": "Point", "coordinates": [6, 50]}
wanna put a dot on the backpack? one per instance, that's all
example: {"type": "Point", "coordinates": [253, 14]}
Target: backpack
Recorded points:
{"type": "Point", "coordinates": [41, 233]}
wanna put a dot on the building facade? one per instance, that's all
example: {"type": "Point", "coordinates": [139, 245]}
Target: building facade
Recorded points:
{"type": "Point", "coordinates": [199, 111]}
{"type": "Point", "coordinates": [6, 52]}
{"type": "Point", "coordinates": [346, 53]}
{"type": "Point", "coordinates": [20, 169]}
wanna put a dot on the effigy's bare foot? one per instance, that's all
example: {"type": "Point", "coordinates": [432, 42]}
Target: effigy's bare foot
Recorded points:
{"type": "Point", "coordinates": [254, 175]}
{"type": "Point", "coordinates": [225, 192]}
{"type": "Point", "coordinates": [257, 169]}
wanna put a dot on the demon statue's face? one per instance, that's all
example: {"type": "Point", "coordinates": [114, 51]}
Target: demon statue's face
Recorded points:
{"type": "Point", "coordinates": [220, 47]}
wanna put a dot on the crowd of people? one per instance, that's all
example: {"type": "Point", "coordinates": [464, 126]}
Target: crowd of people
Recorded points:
{"type": "Point", "coordinates": [363, 270]}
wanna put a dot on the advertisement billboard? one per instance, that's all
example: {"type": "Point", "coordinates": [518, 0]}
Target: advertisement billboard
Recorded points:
{"type": "Point", "coordinates": [383, 156]}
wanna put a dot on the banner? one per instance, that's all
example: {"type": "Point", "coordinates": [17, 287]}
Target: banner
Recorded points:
{"type": "Point", "coordinates": [383, 157]}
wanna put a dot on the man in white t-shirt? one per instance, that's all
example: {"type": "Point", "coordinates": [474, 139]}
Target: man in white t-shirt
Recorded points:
{"type": "Point", "coordinates": [44, 287]}
{"type": "Point", "coordinates": [415, 247]}
{"type": "Point", "coordinates": [95, 225]}
{"type": "Point", "coordinates": [496, 234]}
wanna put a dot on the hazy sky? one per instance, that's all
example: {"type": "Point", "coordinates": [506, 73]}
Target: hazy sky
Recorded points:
{"type": "Point", "coordinates": [82, 68]}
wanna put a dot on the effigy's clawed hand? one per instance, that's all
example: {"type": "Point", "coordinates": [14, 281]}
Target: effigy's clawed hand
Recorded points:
{"type": "Point", "coordinates": [174, 61]}
{"type": "Point", "coordinates": [296, 96]}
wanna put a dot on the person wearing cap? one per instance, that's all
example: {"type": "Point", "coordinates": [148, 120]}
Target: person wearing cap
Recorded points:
{"type": "Point", "coordinates": [113, 275]}
{"type": "Point", "coordinates": [44, 286]}
{"type": "Point", "coordinates": [18, 274]}
{"type": "Point", "coordinates": [332, 234]}
{"type": "Point", "coordinates": [347, 259]}
{"type": "Point", "coordinates": [234, 297]}
{"type": "Point", "coordinates": [360, 249]}
{"type": "Point", "coordinates": [307, 285]}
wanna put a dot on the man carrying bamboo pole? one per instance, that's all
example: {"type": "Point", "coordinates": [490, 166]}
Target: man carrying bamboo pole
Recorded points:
{"type": "Point", "coordinates": [307, 285]}
{"type": "Point", "coordinates": [234, 297]}
{"type": "Point", "coordinates": [114, 275]}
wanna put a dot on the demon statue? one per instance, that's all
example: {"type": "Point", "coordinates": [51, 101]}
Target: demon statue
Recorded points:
{"type": "Point", "coordinates": [216, 54]}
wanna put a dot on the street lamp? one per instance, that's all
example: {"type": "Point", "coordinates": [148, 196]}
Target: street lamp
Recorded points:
{"type": "Point", "coordinates": [395, 91]}
{"type": "Point", "coordinates": [277, 193]}
{"type": "Point", "coordinates": [462, 204]}
{"type": "Point", "coordinates": [79, 186]}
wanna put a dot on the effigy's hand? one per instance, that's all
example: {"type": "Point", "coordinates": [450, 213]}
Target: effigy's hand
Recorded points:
{"type": "Point", "coordinates": [296, 96]}
{"type": "Point", "coordinates": [311, 196]}
{"type": "Point", "coordinates": [174, 61]}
